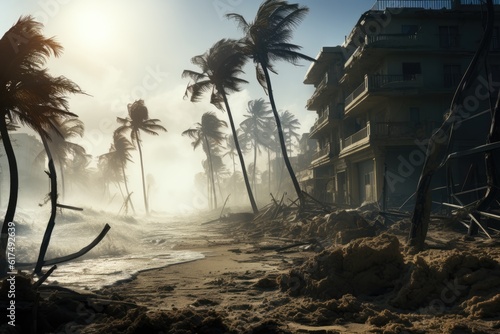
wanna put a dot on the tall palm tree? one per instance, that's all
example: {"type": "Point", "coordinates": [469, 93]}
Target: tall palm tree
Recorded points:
{"type": "Point", "coordinates": [290, 124]}
{"type": "Point", "coordinates": [254, 126]}
{"type": "Point", "coordinates": [220, 67]}
{"type": "Point", "coordinates": [231, 150]}
{"type": "Point", "coordinates": [29, 95]}
{"type": "Point", "coordinates": [207, 133]}
{"type": "Point", "coordinates": [116, 161]}
{"type": "Point", "coordinates": [266, 40]}
{"type": "Point", "coordinates": [138, 121]}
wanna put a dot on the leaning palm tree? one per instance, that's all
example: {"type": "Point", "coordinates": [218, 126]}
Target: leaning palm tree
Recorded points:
{"type": "Point", "coordinates": [290, 124]}
{"type": "Point", "coordinates": [220, 67]}
{"type": "Point", "coordinates": [115, 162]}
{"type": "Point", "coordinates": [138, 121]}
{"type": "Point", "coordinates": [207, 134]}
{"type": "Point", "coordinates": [267, 39]}
{"type": "Point", "coordinates": [29, 95]}
{"type": "Point", "coordinates": [61, 148]}
{"type": "Point", "coordinates": [254, 127]}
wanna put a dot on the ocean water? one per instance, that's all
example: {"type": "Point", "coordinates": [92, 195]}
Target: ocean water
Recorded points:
{"type": "Point", "coordinates": [130, 246]}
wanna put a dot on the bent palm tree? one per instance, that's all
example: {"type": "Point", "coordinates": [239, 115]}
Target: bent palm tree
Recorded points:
{"type": "Point", "coordinates": [138, 121]}
{"type": "Point", "coordinates": [290, 125]}
{"type": "Point", "coordinates": [28, 95]}
{"type": "Point", "coordinates": [60, 147]}
{"type": "Point", "coordinates": [220, 66]}
{"type": "Point", "coordinates": [117, 158]}
{"type": "Point", "coordinates": [266, 40]}
{"type": "Point", "coordinates": [254, 126]}
{"type": "Point", "coordinates": [207, 133]}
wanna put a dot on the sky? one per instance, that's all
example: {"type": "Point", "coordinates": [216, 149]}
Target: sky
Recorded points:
{"type": "Point", "coordinates": [119, 51]}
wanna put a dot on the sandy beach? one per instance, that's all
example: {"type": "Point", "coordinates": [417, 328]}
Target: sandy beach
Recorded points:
{"type": "Point", "coordinates": [252, 282]}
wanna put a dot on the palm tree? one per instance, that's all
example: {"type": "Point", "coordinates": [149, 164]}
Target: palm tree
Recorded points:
{"type": "Point", "coordinates": [137, 121]}
{"type": "Point", "coordinates": [62, 149]}
{"type": "Point", "coordinates": [290, 125]}
{"type": "Point", "coordinates": [29, 95]}
{"type": "Point", "coordinates": [254, 127]}
{"type": "Point", "coordinates": [220, 66]}
{"type": "Point", "coordinates": [231, 150]}
{"type": "Point", "coordinates": [266, 40]}
{"type": "Point", "coordinates": [116, 160]}
{"type": "Point", "coordinates": [207, 133]}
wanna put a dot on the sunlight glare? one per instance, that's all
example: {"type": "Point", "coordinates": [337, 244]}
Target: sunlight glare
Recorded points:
{"type": "Point", "coordinates": [94, 29]}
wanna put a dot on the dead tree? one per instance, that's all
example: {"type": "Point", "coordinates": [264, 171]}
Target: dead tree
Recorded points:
{"type": "Point", "coordinates": [439, 142]}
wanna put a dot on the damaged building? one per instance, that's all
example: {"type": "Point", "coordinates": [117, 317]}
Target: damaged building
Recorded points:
{"type": "Point", "coordinates": [382, 93]}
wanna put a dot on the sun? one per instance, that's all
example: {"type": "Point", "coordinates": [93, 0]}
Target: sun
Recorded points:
{"type": "Point", "coordinates": [93, 28]}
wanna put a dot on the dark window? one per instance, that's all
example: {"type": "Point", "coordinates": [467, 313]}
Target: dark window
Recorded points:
{"type": "Point", "coordinates": [410, 71]}
{"type": "Point", "coordinates": [409, 29]}
{"type": "Point", "coordinates": [451, 75]}
{"type": "Point", "coordinates": [448, 36]}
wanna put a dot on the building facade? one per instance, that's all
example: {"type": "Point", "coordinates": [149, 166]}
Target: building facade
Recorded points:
{"type": "Point", "coordinates": [382, 93]}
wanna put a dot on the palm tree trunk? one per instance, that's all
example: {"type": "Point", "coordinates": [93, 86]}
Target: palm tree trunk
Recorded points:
{"type": "Point", "coordinates": [211, 167]}
{"type": "Point", "coordinates": [282, 138]}
{"type": "Point", "coordinates": [63, 185]}
{"type": "Point", "coordinates": [146, 206]}
{"type": "Point", "coordinates": [13, 193]}
{"type": "Point", "coordinates": [254, 162]}
{"type": "Point", "coordinates": [53, 209]}
{"type": "Point", "coordinates": [128, 198]}
{"type": "Point", "coordinates": [240, 155]}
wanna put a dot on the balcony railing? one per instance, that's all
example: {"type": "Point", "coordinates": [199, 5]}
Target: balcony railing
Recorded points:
{"type": "Point", "coordinates": [356, 137]}
{"type": "Point", "coordinates": [328, 80]}
{"type": "Point", "coordinates": [324, 152]}
{"type": "Point", "coordinates": [393, 130]}
{"type": "Point", "coordinates": [392, 39]}
{"type": "Point", "coordinates": [357, 92]}
{"type": "Point", "coordinates": [388, 82]}
{"type": "Point", "coordinates": [426, 4]}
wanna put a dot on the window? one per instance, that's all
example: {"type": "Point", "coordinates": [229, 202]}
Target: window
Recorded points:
{"type": "Point", "coordinates": [409, 29]}
{"type": "Point", "coordinates": [451, 75]}
{"type": "Point", "coordinates": [410, 71]}
{"type": "Point", "coordinates": [448, 36]}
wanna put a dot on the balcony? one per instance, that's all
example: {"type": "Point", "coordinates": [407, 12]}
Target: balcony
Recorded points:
{"type": "Point", "coordinates": [330, 114]}
{"type": "Point", "coordinates": [382, 84]}
{"type": "Point", "coordinates": [396, 131]}
{"type": "Point", "coordinates": [393, 40]}
{"type": "Point", "coordinates": [427, 4]}
{"type": "Point", "coordinates": [328, 82]}
{"type": "Point", "coordinates": [328, 151]}
{"type": "Point", "coordinates": [358, 138]}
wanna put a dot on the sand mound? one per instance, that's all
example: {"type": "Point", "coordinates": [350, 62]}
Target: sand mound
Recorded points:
{"type": "Point", "coordinates": [368, 266]}
{"type": "Point", "coordinates": [437, 281]}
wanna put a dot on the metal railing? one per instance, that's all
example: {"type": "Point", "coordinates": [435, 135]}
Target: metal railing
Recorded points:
{"type": "Point", "coordinates": [323, 152]}
{"type": "Point", "coordinates": [356, 137]}
{"type": "Point", "coordinates": [427, 4]}
{"type": "Point", "coordinates": [390, 37]}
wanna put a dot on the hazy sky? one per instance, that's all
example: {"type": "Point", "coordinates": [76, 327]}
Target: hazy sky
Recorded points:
{"type": "Point", "coordinates": [122, 50]}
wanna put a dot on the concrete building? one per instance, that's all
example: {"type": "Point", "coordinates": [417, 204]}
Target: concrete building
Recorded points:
{"type": "Point", "coordinates": [381, 94]}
